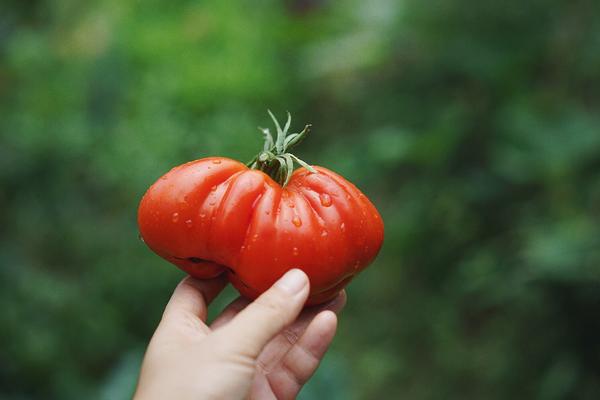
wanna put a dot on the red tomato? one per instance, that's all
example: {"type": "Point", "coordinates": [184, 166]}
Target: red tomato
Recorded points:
{"type": "Point", "coordinates": [216, 215]}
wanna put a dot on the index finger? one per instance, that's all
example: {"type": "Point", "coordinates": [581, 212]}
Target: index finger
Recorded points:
{"type": "Point", "coordinates": [192, 296]}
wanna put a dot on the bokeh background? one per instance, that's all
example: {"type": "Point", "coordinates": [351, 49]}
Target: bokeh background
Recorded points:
{"type": "Point", "coordinates": [474, 126]}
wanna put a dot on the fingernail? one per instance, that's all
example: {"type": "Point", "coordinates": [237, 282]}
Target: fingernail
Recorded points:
{"type": "Point", "coordinates": [293, 281]}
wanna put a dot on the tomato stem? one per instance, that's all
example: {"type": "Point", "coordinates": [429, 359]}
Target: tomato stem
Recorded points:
{"type": "Point", "coordinates": [275, 159]}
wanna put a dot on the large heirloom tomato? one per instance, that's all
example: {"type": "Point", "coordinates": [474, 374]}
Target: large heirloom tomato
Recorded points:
{"type": "Point", "coordinates": [255, 222]}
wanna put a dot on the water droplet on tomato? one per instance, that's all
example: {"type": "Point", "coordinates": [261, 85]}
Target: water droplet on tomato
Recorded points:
{"type": "Point", "coordinates": [292, 205]}
{"type": "Point", "coordinates": [175, 217]}
{"type": "Point", "coordinates": [347, 197]}
{"type": "Point", "coordinates": [297, 221]}
{"type": "Point", "coordinates": [267, 212]}
{"type": "Point", "coordinates": [295, 251]}
{"type": "Point", "coordinates": [255, 237]}
{"type": "Point", "coordinates": [213, 188]}
{"type": "Point", "coordinates": [324, 233]}
{"type": "Point", "coordinates": [189, 223]}
{"type": "Point", "coordinates": [212, 202]}
{"type": "Point", "coordinates": [202, 215]}
{"type": "Point", "coordinates": [356, 264]}
{"type": "Point", "coordinates": [343, 226]}
{"type": "Point", "coordinates": [216, 161]}
{"type": "Point", "coordinates": [325, 199]}
{"type": "Point", "coordinates": [243, 248]}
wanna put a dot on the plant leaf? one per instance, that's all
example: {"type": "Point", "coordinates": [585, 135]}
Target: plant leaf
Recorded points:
{"type": "Point", "coordinates": [289, 167]}
{"type": "Point", "coordinates": [280, 134]}
{"type": "Point", "coordinates": [288, 140]}
{"type": "Point", "coordinates": [287, 123]}
{"type": "Point", "coordinates": [305, 165]}
{"type": "Point", "coordinates": [268, 138]}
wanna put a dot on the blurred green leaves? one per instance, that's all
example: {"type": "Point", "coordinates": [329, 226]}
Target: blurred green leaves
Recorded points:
{"type": "Point", "coordinates": [472, 126]}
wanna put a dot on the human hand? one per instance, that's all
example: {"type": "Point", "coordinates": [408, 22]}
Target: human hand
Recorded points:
{"type": "Point", "coordinates": [266, 349]}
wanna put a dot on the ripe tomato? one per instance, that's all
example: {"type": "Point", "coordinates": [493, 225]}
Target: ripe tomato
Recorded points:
{"type": "Point", "coordinates": [217, 215]}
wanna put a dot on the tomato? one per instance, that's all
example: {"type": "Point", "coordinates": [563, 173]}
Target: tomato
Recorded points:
{"type": "Point", "coordinates": [217, 215]}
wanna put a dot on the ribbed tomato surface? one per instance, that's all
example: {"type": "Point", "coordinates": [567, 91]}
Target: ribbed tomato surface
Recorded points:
{"type": "Point", "coordinates": [215, 214]}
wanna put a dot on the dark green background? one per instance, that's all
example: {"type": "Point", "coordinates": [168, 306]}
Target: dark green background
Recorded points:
{"type": "Point", "coordinates": [474, 126]}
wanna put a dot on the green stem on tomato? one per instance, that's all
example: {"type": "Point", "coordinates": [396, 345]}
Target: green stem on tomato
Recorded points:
{"type": "Point", "coordinates": [275, 160]}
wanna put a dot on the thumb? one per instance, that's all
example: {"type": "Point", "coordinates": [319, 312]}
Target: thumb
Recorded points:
{"type": "Point", "coordinates": [250, 331]}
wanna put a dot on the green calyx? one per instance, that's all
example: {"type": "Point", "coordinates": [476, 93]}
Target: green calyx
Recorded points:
{"type": "Point", "coordinates": [275, 159]}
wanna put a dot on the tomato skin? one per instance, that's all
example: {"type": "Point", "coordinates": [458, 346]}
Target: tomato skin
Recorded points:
{"type": "Point", "coordinates": [215, 214]}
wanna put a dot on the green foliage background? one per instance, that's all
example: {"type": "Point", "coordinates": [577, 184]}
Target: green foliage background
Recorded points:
{"type": "Point", "coordinates": [473, 126]}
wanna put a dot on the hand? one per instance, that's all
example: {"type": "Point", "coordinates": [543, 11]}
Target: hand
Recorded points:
{"type": "Point", "coordinates": [266, 349]}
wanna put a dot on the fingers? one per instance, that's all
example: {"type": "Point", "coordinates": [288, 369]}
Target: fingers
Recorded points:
{"type": "Point", "coordinates": [250, 330]}
{"type": "Point", "coordinates": [302, 360]}
{"type": "Point", "coordinates": [309, 313]}
{"type": "Point", "coordinates": [281, 344]}
{"type": "Point", "coordinates": [192, 297]}
{"type": "Point", "coordinates": [237, 305]}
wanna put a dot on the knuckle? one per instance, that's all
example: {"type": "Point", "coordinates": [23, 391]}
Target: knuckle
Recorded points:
{"type": "Point", "coordinates": [290, 335]}
{"type": "Point", "coordinates": [310, 355]}
{"type": "Point", "coordinates": [294, 374]}
{"type": "Point", "coordinates": [190, 321]}
{"type": "Point", "coordinates": [262, 367]}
